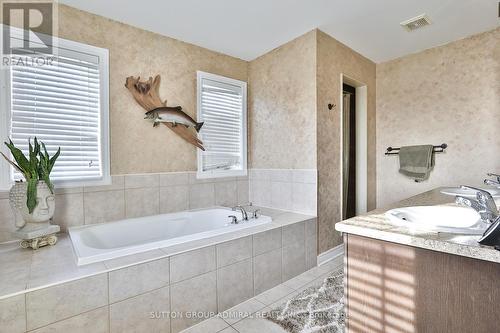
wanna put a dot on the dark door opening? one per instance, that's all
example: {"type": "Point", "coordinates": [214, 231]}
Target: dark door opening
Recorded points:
{"type": "Point", "coordinates": [349, 151]}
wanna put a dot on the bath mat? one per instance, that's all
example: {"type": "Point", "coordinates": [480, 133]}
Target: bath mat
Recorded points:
{"type": "Point", "coordinates": [316, 309]}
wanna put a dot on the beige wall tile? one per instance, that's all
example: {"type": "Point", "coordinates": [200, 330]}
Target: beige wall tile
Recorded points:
{"type": "Point", "coordinates": [226, 193]}
{"type": "Point", "coordinates": [243, 192]}
{"type": "Point", "coordinates": [142, 202]}
{"type": "Point", "coordinates": [294, 261]}
{"type": "Point", "coordinates": [117, 183]}
{"type": "Point", "coordinates": [201, 195]}
{"type": "Point", "coordinates": [304, 198]}
{"type": "Point", "coordinates": [293, 234]}
{"type": "Point", "coordinates": [267, 241]}
{"type": "Point", "coordinates": [195, 294]}
{"type": "Point", "coordinates": [52, 304]}
{"type": "Point", "coordinates": [95, 321]}
{"type": "Point", "coordinates": [138, 279]}
{"type": "Point", "coordinates": [281, 195]}
{"type": "Point", "coordinates": [68, 190]}
{"type": "Point", "coordinates": [174, 198]}
{"type": "Point", "coordinates": [281, 175]}
{"type": "Point", "coordinates": [69, 211]}
{"type": "Point", "coordinates": [7, 223]}
{"type": "Point", "coordinates": [260, 192]}
{"type": "Point", "coordinates": [234, 251]}
{"type": "Point", "coordinates": [311, 252]}
{"type": "Point", "coordinates": [13, 315]}
{"type": "Point", "coordinates": [174, 178]}
{"type": "Point", "coordinates": [305, 176]}
{"type": "Point", "coordinates": [106, 206]}
{"type": "Point", "coordinates": [186, 265]}
{"type": "Point", "coordinates": [142, 181]}
{"type": "Point", "coordinates": [267, 270]}
{"type": "Point", "coordinates": [144, 313]}
{"type": "Point", "coordinates": [234, 284]}
{"type": "Point", "coordinates": [311, 228]}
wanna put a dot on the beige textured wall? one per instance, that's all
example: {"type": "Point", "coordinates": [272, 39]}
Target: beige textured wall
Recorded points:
{"type": "Point", "coordinates": [137, 147]}
{"type": "Point", "coordinates": [334, 59]}
{"type": "Point", "coordinates": [446, 94]}
{"type": "Point", "coordinates": [282, 104]}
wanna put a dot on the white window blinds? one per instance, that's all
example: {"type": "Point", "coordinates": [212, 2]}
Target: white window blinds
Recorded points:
{"type": "Point", "coordinates": [222, 108]}
{"type": "Point", "coordinates": [64, 104]}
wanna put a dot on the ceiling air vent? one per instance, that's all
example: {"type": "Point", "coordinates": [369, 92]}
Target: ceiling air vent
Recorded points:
{"type": "Point", "coordinates": [415, 23]}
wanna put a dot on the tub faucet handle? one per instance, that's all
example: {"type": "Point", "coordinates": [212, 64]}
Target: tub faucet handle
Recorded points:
{"type": "Point", "coordinates": [234, 219]}
{"type": "Point", "coordinates": [256, 214]}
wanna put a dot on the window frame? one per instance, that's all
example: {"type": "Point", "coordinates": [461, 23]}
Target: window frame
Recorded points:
{"type": "Point", "coordinates": [6, 172]}
{"type": "Point", "coordinates": [200, 174]}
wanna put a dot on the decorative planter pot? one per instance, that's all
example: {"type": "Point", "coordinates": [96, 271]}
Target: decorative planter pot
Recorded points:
{"type": "Point", "coordinates": [34, 229]}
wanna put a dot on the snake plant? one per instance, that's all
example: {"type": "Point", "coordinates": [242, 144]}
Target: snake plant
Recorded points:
{"type": "Point", "coordinates": [35, 167]}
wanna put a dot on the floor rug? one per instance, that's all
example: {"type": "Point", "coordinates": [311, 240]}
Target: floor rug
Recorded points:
{"type": "Point", "coordinates": [316, 309]}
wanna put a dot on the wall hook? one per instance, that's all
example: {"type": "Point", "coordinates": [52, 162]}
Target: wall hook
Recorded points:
{"type": "Point", "coordinates": [331, 106]}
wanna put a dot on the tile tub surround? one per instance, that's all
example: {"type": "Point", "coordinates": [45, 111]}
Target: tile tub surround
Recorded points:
{"type": "Point", "coordinates": [210, 275]}
{"type": "Point", "coordinates": [375, 225]}
{"type": "Point", "coordinates": [135, 196]}
{"type": "Point", "coordinates": [289, 189]}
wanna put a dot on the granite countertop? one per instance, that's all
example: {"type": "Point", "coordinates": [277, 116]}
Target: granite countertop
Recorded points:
{"type": "Point", "coordinates": [25, 270]}
{"type": "Point", "coordinates": [375, 225]}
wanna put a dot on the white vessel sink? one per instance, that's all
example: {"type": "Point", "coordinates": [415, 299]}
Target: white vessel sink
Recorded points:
{"type": "Point", "coordinates": [495, 193]}
{"type": "Point", "coordinates": [450, 219]}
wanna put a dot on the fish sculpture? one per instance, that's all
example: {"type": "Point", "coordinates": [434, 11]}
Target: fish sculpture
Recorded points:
{"type": "Point", "coordinates": [173, 115]}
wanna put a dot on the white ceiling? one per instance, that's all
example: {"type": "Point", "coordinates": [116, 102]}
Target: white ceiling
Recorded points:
{"type": "Point", "coordinates": [248, 29]}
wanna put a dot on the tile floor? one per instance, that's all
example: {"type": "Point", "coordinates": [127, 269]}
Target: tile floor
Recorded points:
{"type": "Point", "coordinates": [247, 317]}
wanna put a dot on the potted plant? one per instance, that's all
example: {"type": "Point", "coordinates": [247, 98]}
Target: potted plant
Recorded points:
{"type": "Point", "coordinates": [33, 200]}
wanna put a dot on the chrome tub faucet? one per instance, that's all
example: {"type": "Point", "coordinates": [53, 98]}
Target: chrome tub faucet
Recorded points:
{"type": "Point", "coordinates": [483, 203]}
{"type": "Point", "coordinates": [243, 212]}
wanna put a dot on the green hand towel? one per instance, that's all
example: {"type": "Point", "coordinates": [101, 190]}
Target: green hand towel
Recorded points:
{"type": "Point", "coordinates": [416, 162]}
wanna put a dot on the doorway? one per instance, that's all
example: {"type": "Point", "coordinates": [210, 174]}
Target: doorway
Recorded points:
{"type": "Point", "coordinates": [349, 151]}
{"type": "Point", "coordinates": [353, 147]}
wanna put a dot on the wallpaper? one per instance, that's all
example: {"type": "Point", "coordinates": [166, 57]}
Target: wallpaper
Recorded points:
{"type": "Point", "coordinates": [448, 94]}
{"type": "Point", "coordinates": [137, 147]}
{"type": "Point", "coordinates": [334, 59]}
{"type": "Point", "coordinates": [282, 104]}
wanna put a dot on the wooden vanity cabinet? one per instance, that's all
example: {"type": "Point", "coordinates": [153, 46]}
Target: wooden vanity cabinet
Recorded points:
{"type": "Point", "coordinates": [402, 289]}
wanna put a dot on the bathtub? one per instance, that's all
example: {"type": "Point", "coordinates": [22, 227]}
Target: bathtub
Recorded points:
{"type": "Point", "coordinates": [98, 242]}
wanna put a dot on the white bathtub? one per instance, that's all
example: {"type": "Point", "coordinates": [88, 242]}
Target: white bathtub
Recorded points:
{"type": "Point", "coordinates": [98, 242]}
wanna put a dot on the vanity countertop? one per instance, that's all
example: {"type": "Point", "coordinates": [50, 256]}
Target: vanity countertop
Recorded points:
{"type": "Point", "coordinates": [375, 225]}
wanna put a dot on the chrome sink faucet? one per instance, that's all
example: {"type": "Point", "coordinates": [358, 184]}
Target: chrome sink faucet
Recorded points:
{"type": "Point", "coordinates": [483, 204]}
{"type": "Point", "coordinates": [493, 182]}
{"type": "Point", "coordinates": [243, 212]}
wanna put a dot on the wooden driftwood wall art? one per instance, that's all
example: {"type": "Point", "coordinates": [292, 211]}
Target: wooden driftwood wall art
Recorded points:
{"type": "Point", "coordinates": [146, 93]}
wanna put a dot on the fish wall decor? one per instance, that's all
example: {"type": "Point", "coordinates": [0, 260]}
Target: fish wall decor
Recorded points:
{"type": "Point", "coordinates": [146, 94]}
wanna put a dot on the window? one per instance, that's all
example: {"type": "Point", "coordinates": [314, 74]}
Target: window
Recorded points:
{"type": "Point", "coordinates": [63, 103]}
{"type": "Point", "coordinates": [222, 105]}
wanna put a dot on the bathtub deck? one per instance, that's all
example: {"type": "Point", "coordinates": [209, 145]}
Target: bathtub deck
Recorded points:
{"type": "Point", "coordinates": [235, 320]}
{"type": "Point", "coordinates": [25, 270]}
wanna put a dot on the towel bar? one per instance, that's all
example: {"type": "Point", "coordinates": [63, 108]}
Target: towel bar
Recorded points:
{"type": "Point", "coordinates": [437, 149]}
